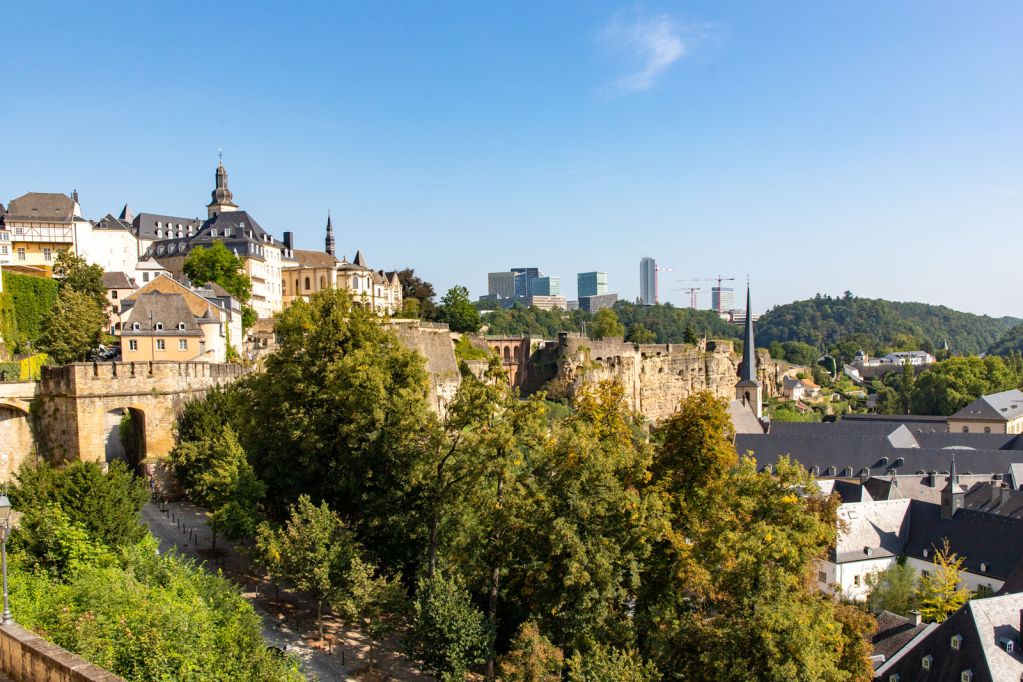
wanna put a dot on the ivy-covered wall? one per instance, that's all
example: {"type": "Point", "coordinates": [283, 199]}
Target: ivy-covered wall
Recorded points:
{"type": "Point", "coordinates": [23, 303]}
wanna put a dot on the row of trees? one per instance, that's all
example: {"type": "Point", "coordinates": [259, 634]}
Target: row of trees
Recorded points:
{"type": "Point", "coordinates": [947, 386]}
{"type": "Point", "coordinates": [87, 575]}
{"type": "Point", "coordinates": [500, 536]}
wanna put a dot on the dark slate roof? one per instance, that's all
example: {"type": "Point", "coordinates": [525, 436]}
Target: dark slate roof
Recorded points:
{"type": "Point", "coordinates": [980, 623]}
{"type": "Point", "coordinates": [914, 422]}
{"type": "Point", "coordinates": [893, 632]}
{"type": "Point", "coordinates": [996, 541]}
{"type": "Point", "coordinates": [109, 222]}
{"type": "Point", "coordinates": [1001, 406]}
{"type": "Point", "coordinates": [117, 280]}
{"type": "Point", "coordinates": [41, 207]}
{"type": "Point", "coordinates": [857, 453]}
{"type": "Point", "coordinates": [145, 224]}
{"type": "Point", "coordinates": [994, 499]}
{"type": "Point", "coordinates": [977, 441]}
{"type": "Point", "coordinates": [246, 239]}
{"type": "Point", "coordinates": [359, 259]}
{"type": "Point", "coordinates": [166, 309]}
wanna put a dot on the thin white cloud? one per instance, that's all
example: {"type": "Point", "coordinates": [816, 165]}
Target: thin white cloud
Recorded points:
{"type": "Point", "coordinates": [651, 45]}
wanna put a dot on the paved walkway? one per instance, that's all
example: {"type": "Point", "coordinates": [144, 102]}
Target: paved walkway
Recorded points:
{"type": "Point", "coordinates": [289, 621]}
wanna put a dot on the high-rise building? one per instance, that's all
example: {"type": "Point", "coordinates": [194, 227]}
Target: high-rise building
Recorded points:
{"type": "Point", "coordinates": [501, 284]}
{"type": "Point", "coordinates": [648, 281]}
{"type": "Point", "coordinates": [592, 283]}
{"type": "Point", "coordinates": [722, 299]}
{"type": "Point", "coordinates": [545, 286]}
{"type": "Point", "coordinates": [524, 280]}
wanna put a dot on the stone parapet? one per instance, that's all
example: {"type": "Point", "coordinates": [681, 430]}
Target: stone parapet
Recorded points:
{"type": "Point", "coordinates": [27, 657]}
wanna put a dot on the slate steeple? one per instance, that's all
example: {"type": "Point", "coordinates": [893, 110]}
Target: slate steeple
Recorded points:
{"type": "Point", "coordinates": [952, 496]}
{"type": "Point", "coordinates": [749, 389]}
{"type": "Point", "coordinates": [329, 241]}
{"type": "Point", "coordinates": [223, 200]}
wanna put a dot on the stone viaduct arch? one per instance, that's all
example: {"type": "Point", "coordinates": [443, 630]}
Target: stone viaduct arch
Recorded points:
{"type": "Point", "coordinates": [80, 406]}
{"type": "Point", "coordinates": [15, 427]}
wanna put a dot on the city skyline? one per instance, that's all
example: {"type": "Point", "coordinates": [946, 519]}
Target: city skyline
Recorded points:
{"type": "Point", "coordinates": [731, 138]}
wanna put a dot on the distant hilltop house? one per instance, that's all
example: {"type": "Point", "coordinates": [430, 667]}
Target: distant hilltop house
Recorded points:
{"type": "Point", "coordinates": [915, 358]}
{"type": "Point", "coordinates": [800, 389]}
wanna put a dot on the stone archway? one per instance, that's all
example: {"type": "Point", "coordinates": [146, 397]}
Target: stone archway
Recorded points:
{"type": "Point", "coordinates": [15, 438]}
{"type": "Point", "coordinates": [125, 439]}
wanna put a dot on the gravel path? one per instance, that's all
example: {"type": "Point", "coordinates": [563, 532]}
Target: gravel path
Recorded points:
{"type": "Point", "coordinates": [289, 622]}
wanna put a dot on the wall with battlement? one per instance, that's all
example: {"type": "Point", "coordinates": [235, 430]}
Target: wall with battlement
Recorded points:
{"type": "Point", "coordinates": [655, 377]}
{"type": "Point", "coordinates": [71, 411]}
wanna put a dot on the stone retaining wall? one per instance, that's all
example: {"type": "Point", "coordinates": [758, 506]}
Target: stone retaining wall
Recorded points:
{"type": "Point", "coordinates": [27, 657]}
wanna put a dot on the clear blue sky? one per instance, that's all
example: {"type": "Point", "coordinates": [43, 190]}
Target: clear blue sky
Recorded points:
{"type": "Point", "coordinates": [872, 146]}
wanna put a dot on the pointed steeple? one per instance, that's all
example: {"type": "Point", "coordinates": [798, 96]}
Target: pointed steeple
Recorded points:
{"type": "Point", "coordinates": [126, 214]}
{"type": "Point", "coordinates": [749, 389]}
{"type": "Point", "coordinates": [329, 242]}
{"type": "Point", "coordinates": [748, 370]}
{"type": "Point", "coordinates": [952, 496]}
{"type": "Point", "coordinates": [359, 260]}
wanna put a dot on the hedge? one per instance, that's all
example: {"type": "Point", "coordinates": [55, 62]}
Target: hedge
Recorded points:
{"type": "Point", "coordinates": [23, 304]}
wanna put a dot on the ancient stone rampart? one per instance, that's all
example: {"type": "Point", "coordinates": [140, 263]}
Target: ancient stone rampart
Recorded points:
{"type": "Point", "coordinates": [433, 342]}
{"type": "Point", "coordinates": [27, 657]}
{"type": "Point", "coordinates": [655, 377]}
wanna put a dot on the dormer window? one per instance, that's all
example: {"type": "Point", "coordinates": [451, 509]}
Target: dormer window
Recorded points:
{"type": "Point", "coordinates": [894, 677]}
{"type": "Point", "coordinates": [135, 326]}
{"type": "Point", "coordinates": [983, 567]}
{"type": "Point", "coordinates": [181, 326]}
{"type": "Point", "coordinates": [927, 553]}
{"type": "Point", "coordinates": [956, 642]}
{"type": "Point", "coordinates": [213, 232]}
{"type": "Point", "coordinates": [926, 662]}
{"type": "Point", "coordinates": [158, 326]}
{"type": "Point", "coordinates": [159, 233]}
{"type": "Point", "coordinates": [227, 231]}
{"type": "Point", "coordinates": [966, 676]}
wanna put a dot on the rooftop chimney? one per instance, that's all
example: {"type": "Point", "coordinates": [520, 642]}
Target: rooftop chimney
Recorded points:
{"type": "Point", "coordinates": [287, 240]}
{"type": "Point", "coordinates": [917, 618]}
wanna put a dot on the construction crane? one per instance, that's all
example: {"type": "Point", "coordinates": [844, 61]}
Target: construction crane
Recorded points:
{"type": "Point", "coordinates": [692, 291]}
{"type": "Point", "coordinates": [719, 279]}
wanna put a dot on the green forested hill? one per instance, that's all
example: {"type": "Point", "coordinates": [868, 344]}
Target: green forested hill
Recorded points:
{"type": "Point", "coordinates": [879, 326]}
{"type": "Point", "coordinates": [1011, 340]}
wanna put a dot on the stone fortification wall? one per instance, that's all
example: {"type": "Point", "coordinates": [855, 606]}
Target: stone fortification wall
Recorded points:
{"type": "Point", "coordinates": [27, 657]}
{"type": "Point", "coordinates": [655, 376]}
{"type": "Point", "coordinates": [71, 411]}
{"type": "Point", "coordinates": [433, 342]}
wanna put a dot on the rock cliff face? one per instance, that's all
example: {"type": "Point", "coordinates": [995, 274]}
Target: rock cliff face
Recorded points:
{"type": "Point", "coordinates": [655, 376]}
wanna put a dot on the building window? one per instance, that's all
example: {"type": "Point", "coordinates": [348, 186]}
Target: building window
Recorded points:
{"type": "Point", "coordinates": [160, 345]}
{"type": "Point", "coordinates": [113, 295]}
{"type": "Point", "coordinates": [3, 250]}
{"type": "Point", "coordinates": [856, 581]}
{"type": "Point", "coordinates": [956, 642]}
{"type": "Point", "coordinates": [925, 573]}
{"type": "Point", "coordinates": [213, 233]}
{"type": "Point", "coordinates": [47, 253]}
{"type": "Point", "coordinates": [926, 661]}
{"type": "Point", "coordinates": [181, 326]}
{"type": "Point", "coordinates": [307, 284]}
{"type": "Point", "coordinates": [21, 254]}
{"type": "Point", "coordinates": [822, 576]}
{"type": "Point", "coordinates": [133, 344]}
{"type": "Point", "coordinates": [894, 677]}
{"type": "Point", "coordinates": [182, 344]}
{"type": "Point", "coordinates": [987, 429]}
{"type": "Point", "coordinates": [967, 676]}
{"type": "Point", "coordinates": [966, 429]}
{"type": "Point", "coordinates": [134, 326]}
{"type": "Point", "coordinates": [158, 326]}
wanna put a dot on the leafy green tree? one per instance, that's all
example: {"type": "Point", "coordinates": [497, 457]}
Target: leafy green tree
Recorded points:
{"type": "Point", "coordinates": [229, 489]}
{"type": "Point", "coordinates": [314, 551]}
{"type": "Point", "coordinates": [893, 589]}
{"type": "Point", "coordinates": [218, 264]}
{"type": "Point", "coordinates": [734, 552]}
{"type": "Point", "coordinates": [54, 543]}
{"type": "Point", "coordinates": [75, 273]}
{"type": "Point", "coordinates": [640, 334]}
{"type": "Point", "coordinates": [939, 594]}
{"type": "Point", "coordinates": [458, 311]}
{"type": "Point", "coordinates": [690, 336]}
{"type": "Point", "coordinates": [417, 290]}
{"type": "Point", "coordinates": [72, 328]}
{"type": "Point", "coordinates": [608, 664]}
{"type": "Point", "coordinates": [605, 325]}
{"type": "Point", "coordinates": [375, 601]}
{"type": "Point", "coordinates": [352, 425]}
{"type": "Point", "coordinates": [449, 634]}
{"type": "Point", "coordinates": [532, 657]}
{"type": "Point", "coordinates": [107, 505]}
{"type": "Point", "coordinates": [954, 383]}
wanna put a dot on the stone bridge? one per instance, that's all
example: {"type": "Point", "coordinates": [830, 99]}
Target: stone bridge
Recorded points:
{"type": "Point", "coordinates": [79, 407]}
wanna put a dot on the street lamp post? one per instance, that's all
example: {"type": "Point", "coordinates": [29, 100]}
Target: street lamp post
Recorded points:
{"type": "Point", "coordinates": [5, 530]}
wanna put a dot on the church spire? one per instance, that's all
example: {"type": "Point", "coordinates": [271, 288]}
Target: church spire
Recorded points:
{"type": "Point", "coordinates": [748, 389]}
{"type": "Point", "coordinates": [952, 497]}
{"type": "Point", "coordinates": [329, 242]}
{"type": "Point", "coordinates": [223, 200]}
{"type": "Point", "coordinates": [748, 371]}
